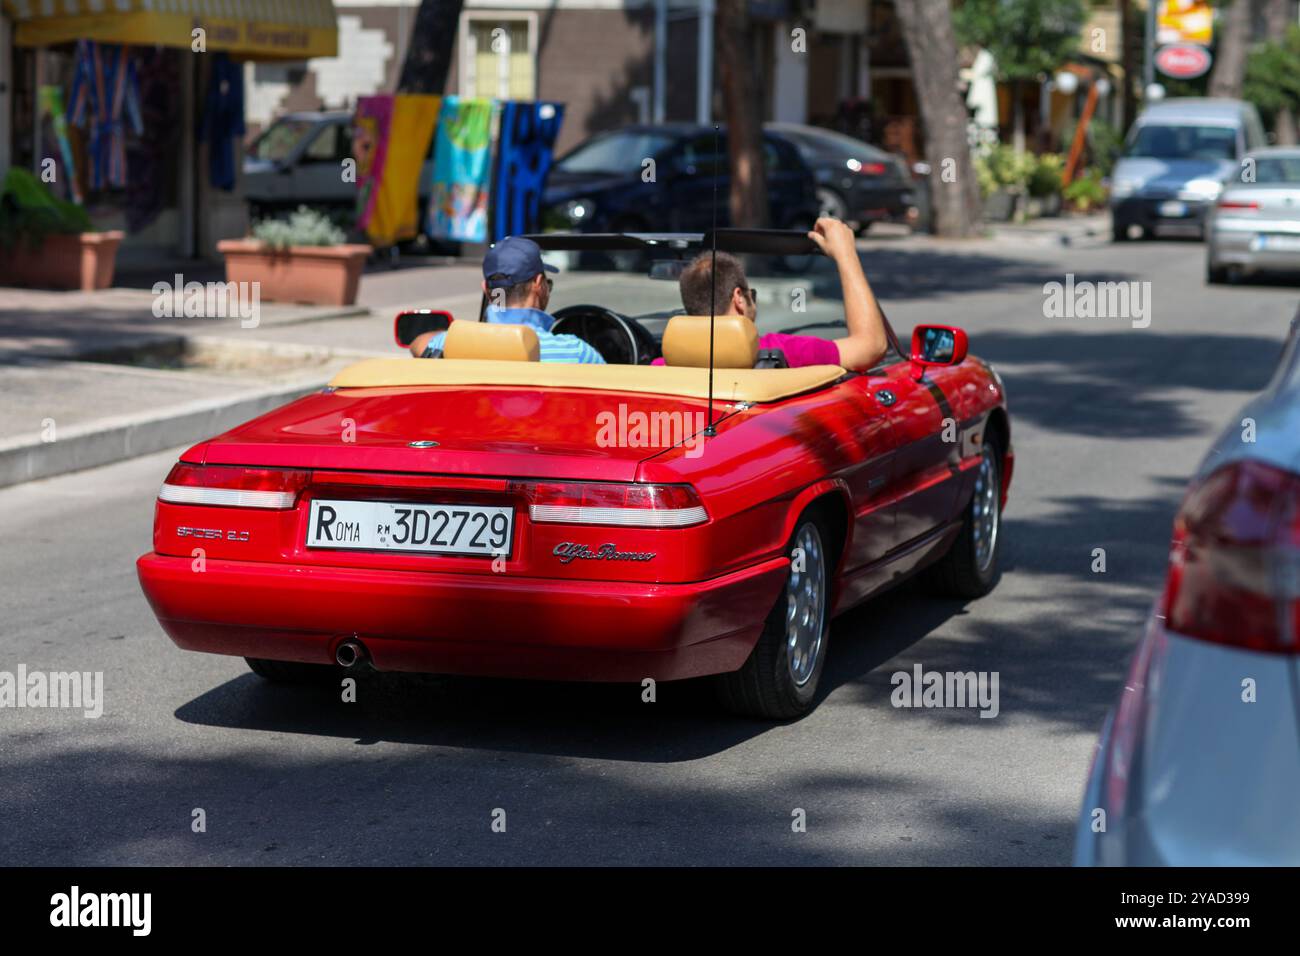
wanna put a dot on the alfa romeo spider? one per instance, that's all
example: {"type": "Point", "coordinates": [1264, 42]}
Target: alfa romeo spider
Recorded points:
{"type": "Point", "coordinates": [485, 513]}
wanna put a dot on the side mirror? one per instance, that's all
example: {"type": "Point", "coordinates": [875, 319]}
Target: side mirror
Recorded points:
{"type": "Point", "coordinates": [411, 324]}
{"type": "Point", "coordinates": [936, 345]}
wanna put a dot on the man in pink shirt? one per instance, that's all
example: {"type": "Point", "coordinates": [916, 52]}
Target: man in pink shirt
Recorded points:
{"type": "Point", "coordinates": [862, 348]}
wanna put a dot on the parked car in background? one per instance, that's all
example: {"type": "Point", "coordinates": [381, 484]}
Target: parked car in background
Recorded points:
{"type": "Point", "coordinates": [1255, 227]}
{"type": "Point", "coordinates": [1199, 763]}
{"type": "Point", "coordinates": [604, 184]}
{"type": "Point", "coordinates": [856, 182]}
{"type": "Point", "coordinates": [298, 161]}
{"type": "Point", "coordinates": [1175, 161]}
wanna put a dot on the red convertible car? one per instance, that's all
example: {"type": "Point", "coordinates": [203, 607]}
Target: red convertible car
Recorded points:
{"type": "Point", "coordinates": [486, 513]}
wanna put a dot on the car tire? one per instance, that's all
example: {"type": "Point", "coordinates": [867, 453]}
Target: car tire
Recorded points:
{"type": "Point", "coordinates": [831, 203]}
{"type": "Point", "coordinates": [970, 568]}
{"type": "Point", "coordinates": [292, 672]}
{"type": "Point", "coordinates": [779, 679]}
{"type": "Point", "coordinates": [1118, 232]}
{"type": "Point", "coordinates": [1215, 275]}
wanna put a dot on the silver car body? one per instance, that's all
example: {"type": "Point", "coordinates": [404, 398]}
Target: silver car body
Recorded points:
{"type": "Point", "coordinates": [1256, 225]}
{"type": "Point", "coordinates": [1187, 773]}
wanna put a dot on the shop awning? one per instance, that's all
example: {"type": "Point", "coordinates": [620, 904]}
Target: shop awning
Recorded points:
{"type": "Point", "coordinates": [249, 29]}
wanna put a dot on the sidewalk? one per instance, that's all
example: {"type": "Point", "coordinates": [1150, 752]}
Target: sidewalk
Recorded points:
{"type": "Point", "coordinates": [88, 378]}
{"type": "Point", "coordinates": [1073, 230]}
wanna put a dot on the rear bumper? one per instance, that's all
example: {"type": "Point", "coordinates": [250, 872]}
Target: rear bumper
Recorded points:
{"type": "Point", "coordinates": [1230, 244]}
{"type": "Point", "coordinates": [1189, 773]}
{"type": "Point", "coordinates": [1147, 213]}
{"type": "Point", "coordinates": [884, 203]}
{"type": "Point", "coordinates": [464, 623]}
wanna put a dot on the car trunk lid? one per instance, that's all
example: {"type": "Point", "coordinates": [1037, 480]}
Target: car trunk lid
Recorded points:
{"type": "Point", "coordinates": [509, 432]}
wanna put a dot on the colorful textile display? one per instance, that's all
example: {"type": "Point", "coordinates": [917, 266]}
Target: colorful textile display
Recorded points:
{"type": "Point", "coordinates": [51, 100]}
{"type": "Point", "coordinates": [223, 119]}
{"type": "Point", "coordinates": [370, 125]}
{"type": "Point", "coordinates": [461, 161]}
{"type": "Point", "coordinates": [525, 148]}
{"type": "Point", "coordinates": [150, 166]}
{"type": "Point", "coordinates": [391, 136]}
{"type": "Point", "coordinates": [105, 96]}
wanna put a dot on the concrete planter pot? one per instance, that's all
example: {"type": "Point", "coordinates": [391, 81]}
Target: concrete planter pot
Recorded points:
{"type": "Point", "coordinates": [315, 275]}
{"type": "Point", "coordinates": [82, 261]}
{"type": "Point", "coordinates": [1037, 207]}
{"type": "Point", "coordinates": [999, 206]}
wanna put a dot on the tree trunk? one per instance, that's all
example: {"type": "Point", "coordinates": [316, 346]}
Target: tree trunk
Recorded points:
{"type": "Point", "coordinates": [428, 53]}
{"type": "Point", "coordinates": [1277, 13]}
{"type": "Point", "coordinates": [1277, 16]}
{"type": "Point", "coordinates": [1130, 37]}
{"type": "Point", "coordinates": [742, 104]}
{"type": "Point", "coordinates": [932, 49]}
{"type": "Point", "coordinates": [1017, 116]}
{"type": "Point", "coordinates": [1230, 56]}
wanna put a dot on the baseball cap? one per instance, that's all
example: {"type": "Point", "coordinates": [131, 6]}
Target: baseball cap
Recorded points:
{"type": "Point", "coordinates": [513, 260]}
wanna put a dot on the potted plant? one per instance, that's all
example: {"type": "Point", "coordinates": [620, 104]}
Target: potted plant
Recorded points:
{"type": "Point", "coordinates": [1003, 175]}
{"type": "Point", "coordinates": [1086, 193]}
{"type": "Point", "coordinates": [302, 259]}
{"type": "Point", "coordinates": [46, 241]}
{"type": "Point", "coordinates": [1045, 185]}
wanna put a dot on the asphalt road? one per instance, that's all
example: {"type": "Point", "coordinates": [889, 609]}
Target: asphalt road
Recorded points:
{"type": "Point", "coordinates": [1108, 422]}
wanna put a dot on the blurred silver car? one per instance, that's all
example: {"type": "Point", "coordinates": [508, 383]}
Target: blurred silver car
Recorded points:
{"type": "Point", "coordinates": [1199, 763]}
{"type": "Point", "coordinates": [1255, 225]}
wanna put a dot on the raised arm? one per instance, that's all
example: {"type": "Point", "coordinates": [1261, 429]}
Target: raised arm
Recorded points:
{"type": "Point", "coordinates": [866, 342]}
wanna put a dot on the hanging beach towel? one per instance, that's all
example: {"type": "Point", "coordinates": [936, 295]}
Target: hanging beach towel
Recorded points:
{"type": "Point", "coordinates": [461, 161]}
{"type": "Point", "coordinates": [105, 97]}
{"type": "Point", "coordinates": [370, 124]}
{"type": "Point", "coordinates": [391, 136]}
{"type": "Point", "coordinates": [525, 148]}
{"type": "Point", "coordinates": [51, 101]}
{"type": "Point", "coordinates": [223, 119]}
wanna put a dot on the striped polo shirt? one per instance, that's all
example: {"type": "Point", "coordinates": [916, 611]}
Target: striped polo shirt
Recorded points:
{"type": "Point", "coordinates": [554, 348]}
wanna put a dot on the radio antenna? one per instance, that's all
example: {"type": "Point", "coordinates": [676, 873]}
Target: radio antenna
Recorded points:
{"type": "Point", "coordinates": [710, 431]}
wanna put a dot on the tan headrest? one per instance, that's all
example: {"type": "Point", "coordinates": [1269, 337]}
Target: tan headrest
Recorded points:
{"type": "Point", "coordinates": [491, 340]}
{"type": "Point", "coordinates": [686, 341]}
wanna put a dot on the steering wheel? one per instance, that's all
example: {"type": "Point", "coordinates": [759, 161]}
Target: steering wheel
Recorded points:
{"type": "Point", "coordinates": [619, 339]}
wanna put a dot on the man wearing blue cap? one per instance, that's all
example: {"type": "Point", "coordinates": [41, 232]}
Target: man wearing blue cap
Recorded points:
{"type": "Point", "coordinates": [515, 282]}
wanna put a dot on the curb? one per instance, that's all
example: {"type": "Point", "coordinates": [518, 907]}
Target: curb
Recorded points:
{"type": "Point", "coordinates": [28, 458]}
{"type": "Point", "coordinates": [1080, 234]}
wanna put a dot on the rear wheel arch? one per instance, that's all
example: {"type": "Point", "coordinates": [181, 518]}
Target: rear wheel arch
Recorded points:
{"type": "Point", "coordinates": [998, 428]}
{"type": "Point", "coordinates": [828, 501]}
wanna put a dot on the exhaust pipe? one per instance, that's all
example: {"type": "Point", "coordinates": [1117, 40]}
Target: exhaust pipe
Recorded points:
{"type": "Point", "coordinates": [350, 654]}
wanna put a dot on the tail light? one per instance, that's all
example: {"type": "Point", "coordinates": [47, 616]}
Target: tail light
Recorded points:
{"type": "Point", "coordinates": [1238, 205]}
{"type": "Point", "coordinates": [1233, 562]}
{"type": "Point", "coordinates": [233, 486]}
{"type": "Point", "coordinates": [867, 169]}
{"type": "Point", "coordinates": [609, 503]}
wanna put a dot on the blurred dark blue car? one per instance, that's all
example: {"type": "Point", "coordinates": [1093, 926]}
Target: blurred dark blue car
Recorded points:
{"type": "Point", "coordinates": [856, 182]}
{"type": "Point", "coordinates": [604, 184]}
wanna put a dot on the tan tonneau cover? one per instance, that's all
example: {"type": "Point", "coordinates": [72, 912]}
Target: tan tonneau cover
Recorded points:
{"type": "Point", "coordinates": [729, 384]}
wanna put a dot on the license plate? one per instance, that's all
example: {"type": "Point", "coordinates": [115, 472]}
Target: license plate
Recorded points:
{"type": "Point", "coordinates": [1277, 243]}
{"type": "Point", "coordinates": [1173, 210]}
{"type": "Point", "coordinates": [404, 526]}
